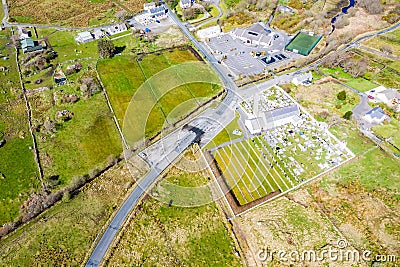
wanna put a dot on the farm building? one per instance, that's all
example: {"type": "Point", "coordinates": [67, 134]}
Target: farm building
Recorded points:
{"type": "Point", "coordinates": [84, 37]}
{"type": "Point", "coordinates": [28, 45]}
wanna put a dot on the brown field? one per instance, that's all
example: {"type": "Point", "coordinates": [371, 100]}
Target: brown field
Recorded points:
{"type": "Point", "coordinates": [77, 13]}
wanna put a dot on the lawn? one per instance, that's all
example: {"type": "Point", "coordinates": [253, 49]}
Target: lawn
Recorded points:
{"type": "Point", "coordinates": [18, 170]}
{"type": "Point", "coordinates": [165, 98]}
{"type": "Point", "coordinates": [64, 234]}
{"type": "Point", "coordinates": [361, 84]}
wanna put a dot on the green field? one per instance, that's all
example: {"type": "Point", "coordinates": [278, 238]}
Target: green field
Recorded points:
{"type": "Point", "coordinates": [164, 97]}
{"type": "Point", "coordinates": [80, 145]}
{"type": "Point", "coordinates": [64, 234]}
{"type": "Point", "coordinates": [303, 43]}
{"type": "Point", "coordinates": [391, 39]}
{"type": "Point", "coordinates": [18, 170]}
{"type": "Point", "coordinates": [389, 131]}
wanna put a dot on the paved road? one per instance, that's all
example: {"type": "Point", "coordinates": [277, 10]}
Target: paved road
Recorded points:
{"type": "Point", "coordinates": [143, 186]}
{"type": "Point", "coordinates": [216, 3]}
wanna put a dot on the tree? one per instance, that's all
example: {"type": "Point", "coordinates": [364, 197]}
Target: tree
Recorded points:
{"type": "Point", "coordinates": [348, 115]}
{"type": "Point", "coordinates": [106, 48]}
{"type": "Point", "coordinates": [341, 95]}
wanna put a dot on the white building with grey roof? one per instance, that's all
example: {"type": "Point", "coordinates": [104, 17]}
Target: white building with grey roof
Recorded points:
{"type": "Point", "coordinates": [256, 34]}
{"type": "Point", "coordinates": [273, 118]}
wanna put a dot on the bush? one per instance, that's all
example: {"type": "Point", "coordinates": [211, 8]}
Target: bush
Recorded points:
{"type": "Point", "coordinates": [341, 95]}
{"type": "Point", "coordinates": [348, 115]}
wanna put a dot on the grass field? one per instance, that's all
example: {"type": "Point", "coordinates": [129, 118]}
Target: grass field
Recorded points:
{"type": "Point", "coordinates": [122, 76]}
{"type": "Point", "coordinates": [360, 83]}
{"type": "Point", "coordinates": [18, 170]}
{"type": "Point", "coordinates": [391, 39]}
{"type": "Point", "coordinates": [303, 43]}
{"type": "Point", "coordinates": [81, 13]}
{"type": "Point", "coordinates": [64, 234]}
{"type": "Point", "coordinates": [390, 130]}
{"type": "Point", "coordinates": [91, 133]}
{"type": "Point", "coordinates": [162, 235]}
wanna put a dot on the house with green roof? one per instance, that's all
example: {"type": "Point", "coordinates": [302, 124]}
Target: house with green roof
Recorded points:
{"type": "Point", "coordinates": [28, 45]}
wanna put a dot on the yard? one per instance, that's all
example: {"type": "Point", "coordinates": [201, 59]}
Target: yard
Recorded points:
{"type": "Point", "coordinates": [18, 170]}
{"type": "Point", "coordinates": [164, 97]}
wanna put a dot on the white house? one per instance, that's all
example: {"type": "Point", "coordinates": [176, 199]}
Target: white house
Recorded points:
{"type": "Point", "coordinates": [151, 15]}
{"type": "Point", "coordinates": [209, 32]}
{"type": "Point", "coordinates": [185, 3]}
{"type": "Point", "coordinates": [303, 79]}
{"type": "Point", "coordinates": [376, 116]}
{"type": "Point", "coordinates": [148, 6]}
{"type": "Point", "coordinates": [98, 34]}
{"type": "Point", "coordinates": [84, 37]}
{"type": "Point", "coordinates": [114, 29]}
{"type": "Point", "coordinates": [23, 33]}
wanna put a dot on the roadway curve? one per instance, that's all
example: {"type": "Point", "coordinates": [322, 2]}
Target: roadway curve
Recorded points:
{"type": "Point", "coordinates": [216, 3]}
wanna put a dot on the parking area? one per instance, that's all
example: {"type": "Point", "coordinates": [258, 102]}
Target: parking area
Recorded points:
{"type": "Point", "coordinates": [251, 51]}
